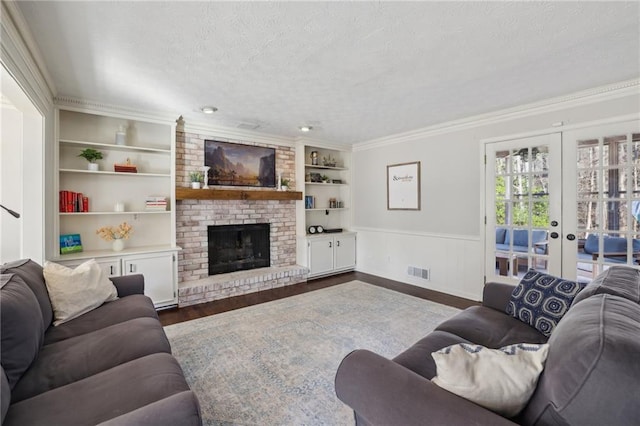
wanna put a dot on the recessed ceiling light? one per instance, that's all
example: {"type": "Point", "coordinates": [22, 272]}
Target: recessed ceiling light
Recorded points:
{"type": "Point", "coordinates": [208, 109]}
{"type": "Point", "coordinates": [305, 128]}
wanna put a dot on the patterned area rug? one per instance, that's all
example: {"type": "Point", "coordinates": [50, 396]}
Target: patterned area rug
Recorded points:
{"type": "Point", "coordinates": [275, 363]}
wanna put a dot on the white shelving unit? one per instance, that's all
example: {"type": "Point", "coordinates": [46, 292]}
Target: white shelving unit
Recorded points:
{"type": "Point", "coordinates": [150, 146]}
{"type": "Point", "coordinates": [327, 253]}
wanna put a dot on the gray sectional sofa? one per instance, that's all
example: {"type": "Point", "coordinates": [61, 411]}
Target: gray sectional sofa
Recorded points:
{"type": "Point", "coordinates": [111, 366]}
{"type": "Point", "coordinates": [591, 375]}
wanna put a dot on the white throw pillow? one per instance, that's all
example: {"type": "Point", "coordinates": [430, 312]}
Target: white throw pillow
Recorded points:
{"type": "Point", "coordinates": [74, 292]}
{"type": "Point", "coordinates": [501, 380]}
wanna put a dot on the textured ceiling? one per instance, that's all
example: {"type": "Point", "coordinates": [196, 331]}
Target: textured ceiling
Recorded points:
{"type": "Point", "coordinates": [356, 71]}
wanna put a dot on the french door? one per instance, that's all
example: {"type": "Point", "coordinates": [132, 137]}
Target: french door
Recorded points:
{"type": "Point", "coordinates": [565, 203]}
{"type": "Point", "coordinates": [523, 206]}
{"type": "Point", "coordinates": [601, 199]}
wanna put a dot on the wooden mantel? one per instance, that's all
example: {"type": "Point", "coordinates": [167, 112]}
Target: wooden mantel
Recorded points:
{"type": "Point", "coordinates": [234, 194]}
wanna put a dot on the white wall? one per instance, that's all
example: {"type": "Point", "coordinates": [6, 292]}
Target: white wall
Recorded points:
{"type": "Point", "coordinates": [445, 236]}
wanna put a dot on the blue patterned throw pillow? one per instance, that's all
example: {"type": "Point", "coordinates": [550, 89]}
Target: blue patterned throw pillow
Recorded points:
{"type": "Point", "coordinates": [541, 300]}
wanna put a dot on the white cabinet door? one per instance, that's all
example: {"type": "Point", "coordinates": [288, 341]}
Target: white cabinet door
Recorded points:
{"type": "Point", "coordinates": [110, 266]}
{"type": "Point", "coordinates": [320, 255]}
{"type": "Point", "coordinates": [159, 276]}
{"type": "Point", "coordinates": [345, 252]}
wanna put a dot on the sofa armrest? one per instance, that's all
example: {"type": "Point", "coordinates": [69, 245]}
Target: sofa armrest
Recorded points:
{"type": "Point", "coordinates": [129, 284]}
{"type": "Point", "coordinates": [179, 409]}
{"type": "Point", "coordinates": [496, 295]}
{"type": "Point", "coordinates": [383, 392]}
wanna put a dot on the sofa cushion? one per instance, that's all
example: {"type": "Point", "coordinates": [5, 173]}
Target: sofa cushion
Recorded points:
{"type": "Point", "coordinates": [592, 372]}
{"type": "Point", "coordinates": [5, 395]}
{"type": "Point", "coordinates": [418, 357]}
{"type": "Point", "coordinates": [620, 281]}
{"type": "Point", "coordinates": [609, 244]}
{"type": "Point", "coordinates": [490, 328]}
{"type": "Point", "coordinates": [501, 233]}
{"type": "Point", "coordinates": [501, 380]}
{"type": "Point", "coordinates": [32, 275]}
{"type": "Point", "coordinates": [541, 300]}
{"type": "Point", "coordinates": [103, 396]}
{"type": "Point", "coordinates": [21, 327]}
{"type": "Point", "coordinates": [74, 292]}
{"type": "Point", "coordinates": [520, 237]}
{"type": "Point", "coordinates": [121, 310]}
{"type": "Point", "coordinates": [179, 409]}
{"type": "Point", "coordinates": [79, 357]}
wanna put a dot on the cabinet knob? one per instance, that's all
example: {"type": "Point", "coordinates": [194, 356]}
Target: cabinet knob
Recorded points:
{"type": "Point", "coordinates": [338, 243]}
{"type": "Point", "coordinates": [111, 269]}
{"type": "Point", "coordinates": [330, 244]}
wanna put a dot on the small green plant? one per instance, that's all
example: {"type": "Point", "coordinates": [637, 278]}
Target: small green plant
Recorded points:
{"type": "Point", "coordinates": [284, 182]}
{"type": "Point", "coordinates": [91, 155]}
{"type": "Point", "coordinates": [195, 176]}
{"type": "Point", "coordinates": [325, 178]}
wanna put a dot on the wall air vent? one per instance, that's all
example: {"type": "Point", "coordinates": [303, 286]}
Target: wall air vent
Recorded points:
{"type": "Point", "coordinates": [419, 272]}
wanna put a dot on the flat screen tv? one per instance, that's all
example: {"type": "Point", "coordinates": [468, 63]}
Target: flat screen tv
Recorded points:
{"type": "Point", "coordinates": [234, 164]}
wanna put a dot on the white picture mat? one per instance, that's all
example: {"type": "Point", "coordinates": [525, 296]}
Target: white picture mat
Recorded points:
{"type": "Point", "coordinates": [403, 186]}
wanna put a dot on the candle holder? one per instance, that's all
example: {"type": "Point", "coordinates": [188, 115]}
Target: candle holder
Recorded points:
{"type": "Point", "coordinates": [206, 177]}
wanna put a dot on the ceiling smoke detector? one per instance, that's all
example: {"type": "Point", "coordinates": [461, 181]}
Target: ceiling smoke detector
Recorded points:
{"type": "Point", "coordinates": [208, 109]}
{"type": "Point", "coordinates": [305, 128]}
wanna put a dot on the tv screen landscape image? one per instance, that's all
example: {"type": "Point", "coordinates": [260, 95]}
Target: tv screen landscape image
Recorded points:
{"type": "Point", "coordinates": [235, 164]}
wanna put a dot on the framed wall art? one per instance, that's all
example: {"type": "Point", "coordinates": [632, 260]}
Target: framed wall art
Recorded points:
{"type": "Point", "coordinates": [235, 164]}
{"type": "Point", "coordinates": [403, 186]}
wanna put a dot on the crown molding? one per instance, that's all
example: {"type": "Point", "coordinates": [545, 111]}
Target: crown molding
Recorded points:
{"type": "Point", "coordinates": [585, 97]}
{"type": "Point", "coordinates": [23, 59]}
{"type": "Point", "coordinates": [304, 140]}
{"type": "Point", "coordinates": [83, 105]}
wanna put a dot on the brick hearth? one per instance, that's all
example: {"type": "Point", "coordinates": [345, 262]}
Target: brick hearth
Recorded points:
{"type": "Point", "coordinates": [193, 217]}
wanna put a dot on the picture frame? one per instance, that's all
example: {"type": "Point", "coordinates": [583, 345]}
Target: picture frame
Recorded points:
{"type": "Point", "coordinates": [403, 186]}
{"type": "Point", "coordinates": [234, 164]}
{"type": "Point", "coordinates": [70, 243]}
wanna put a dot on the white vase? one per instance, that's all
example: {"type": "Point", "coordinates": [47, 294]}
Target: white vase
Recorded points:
{"type": "Point", "coordinates": [93, 167]}
{"type": "Point", "coordinates": [195, 185]}
{"type": "Point", "coordinates": [117, 244]}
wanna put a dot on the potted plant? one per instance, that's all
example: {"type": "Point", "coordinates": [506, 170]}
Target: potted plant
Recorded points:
{"type": "Point", "coordinates": [284, 184]}
{"type": "Point", "coordinates": [195, 177]}
{"type": "Point", "coordinates": [91, 155]}
{"type": "Point", "coordinates": [325, 179]}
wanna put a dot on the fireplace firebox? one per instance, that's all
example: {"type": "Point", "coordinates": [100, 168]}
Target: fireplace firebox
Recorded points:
{"type": "Point", "coordinates": [238, 247]}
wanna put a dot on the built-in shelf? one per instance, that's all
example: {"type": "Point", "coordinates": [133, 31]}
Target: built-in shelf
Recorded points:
{"type": "Point", "coordinates": [321, 210]}
{"type": "Point", "coordinates": [115, 213]}
{"type": "Point", "coordinates": [89, 254]}
{"type": "Point", "coordinates": [115, 173]}
{"type": "Point", "coordinates": [235, 194]}
{"type": "Point", "coordinates": [324, 184]}
{"type": "Point", "coordinates": [113, 147]}
{"type": "Point", "coordinates": [311, 166]}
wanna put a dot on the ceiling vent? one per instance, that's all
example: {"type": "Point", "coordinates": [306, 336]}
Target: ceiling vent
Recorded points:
{"type": "Point", "coordinates": [248, 126]}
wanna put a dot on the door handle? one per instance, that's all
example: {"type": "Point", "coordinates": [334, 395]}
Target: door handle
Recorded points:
{"type": "Point", "coordinates": [131, 269]}
{"type": "Point", "coordinates": [111, 270]}
{"type": "Point", "coordinates": [338, 243]}
{"type": "Point", "coordinates": [330, 244]}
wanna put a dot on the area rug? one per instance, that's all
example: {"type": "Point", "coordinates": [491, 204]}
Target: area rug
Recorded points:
{"type": "Point", "coordinates": [275, 363]}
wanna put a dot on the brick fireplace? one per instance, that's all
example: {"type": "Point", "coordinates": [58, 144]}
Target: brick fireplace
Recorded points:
{"type": "Point", "coordinates": [193, 217]}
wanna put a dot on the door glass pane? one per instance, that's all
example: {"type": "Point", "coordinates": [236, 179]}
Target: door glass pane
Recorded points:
{"type": "Point", "coordinates": [521, 209]}
{"type": "Point", "coordinates": [608, 201]}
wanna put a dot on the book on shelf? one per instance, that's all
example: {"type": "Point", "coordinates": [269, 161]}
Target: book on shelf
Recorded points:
{"type": "Point", "coordinates": [156, 203]}
{"type": "Point", "coordinates": [73, 202]}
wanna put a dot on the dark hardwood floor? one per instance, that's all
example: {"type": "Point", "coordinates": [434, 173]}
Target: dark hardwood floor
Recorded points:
{"type": "Point", "coordinates": [176, 315]}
